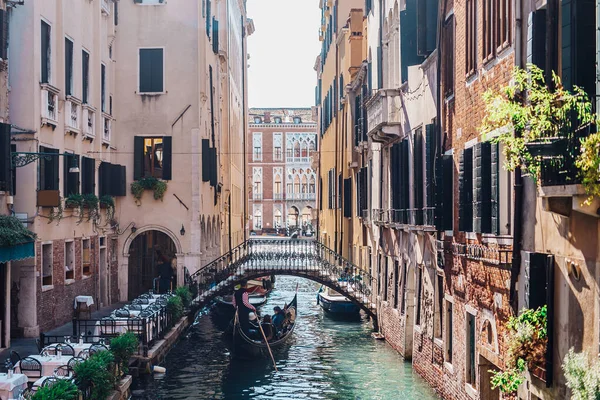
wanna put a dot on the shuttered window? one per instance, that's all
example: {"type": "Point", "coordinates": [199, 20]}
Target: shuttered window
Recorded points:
{"type": "Point", "coordinates": [103, 87]}
{"type": "Point", "coordinates": [151, 74]}
{"type": "Point", "coordinates": [482, 188]}
{"type": "Point", "coordinates": [85, 75]}
{"type": "Point", "coordinates": [88, 176]}
{"type": "Point", "coordinates": [215, 36]}
{"type": "Point", "coordinates": [45, 52]}
{"type": "Point", "coordinates": [445, 197]}
{"type": "Point", "coordinates": [409, 54]}
{"type": "Point", "coordinates": [70, 179]}
{"type": "Point", "coordinates": [448, 56]}
{"type": "Point", "coordinates": [111, 178]}
{"type": "Point", "coordinates": [427, 12]}
{"type": "Point", "coordinates": [538, 39]}
{"type": "Point", "coordinates": [3, 35]}
{"type": "Point", "coordinates": [339, 191]}
{"type": "Point", "coordinates": [495, 188]}
{"type": "Point", "coordinates": [348, 198]}
{"type": "Point", "coordinates": [68, 67]}
{"type": "Point", "coordinates": [48, 178]}
{"type": "Point", "coordinates": [430, 154]}
{"type": "Point", "coordinates": [5, 158]}
{"type": "Point", "coordinates": [578, 50]}
{"type": "Point", "coordinates": [152, 157]}
{"type": "Point", "coordinates": [418, 176]}
{"type": "Point", "coordinates": [465, 191]}
{"type": "Point", "coordinates": [208, 17]}
{"type": "Point", "coordinates": [404, 176]}
{"type": "Point", "coordinates": [471, 38]}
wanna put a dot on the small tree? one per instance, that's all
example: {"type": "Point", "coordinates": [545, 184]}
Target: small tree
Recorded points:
{"type": "Point", "coordinates": [122, 348]}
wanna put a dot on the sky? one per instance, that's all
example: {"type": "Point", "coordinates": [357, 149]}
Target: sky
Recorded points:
{"type": "Point", "coordinates": [283, 50]}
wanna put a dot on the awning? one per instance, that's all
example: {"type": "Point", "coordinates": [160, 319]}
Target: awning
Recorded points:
{"type": "Point", "coordinates": [17, 252]}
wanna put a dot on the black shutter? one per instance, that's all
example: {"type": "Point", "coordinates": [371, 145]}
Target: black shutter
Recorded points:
{"type": "Point", "coordinates": [578, 51]}
{"type": "Point", "coordinates": [49, 179]}
{"type": "Point", "coordinates": [104, 179]}
{"type": "Point", "coordinates": [85, 68]}
{"type": "Point", "coordinates": [320, 193]}
{"type": "Point", "coordinates": [68, 67]}
{"type": "Point", "coordinates": [5, 158]}
{"type": "Point", "coordinates": [405, 177]}
{"type": "Point", "coordinates": [215, 38]}
{"type": "Point", "coordinates": [103, 87]}
{"type": "Point", "coordinates": [212, 106]}
{"type": "Point", "coordinates": [151, 70]}
{"type": "Point", "coordinates": [359, 193]}
{"type": "Point", "coordinates": [495, 189]}
{"type": "Point", "coordinates": [206, 160]}
{"type": "Point", "coordinates": [482, 221]}
{"type": "Point", "coordinates": [380, 67]}
{"type": "Point", "coordinates": [465, 191]}
{"type": "Point", "coordinates": [408, 37]}
{"type": "Point", "coordinates": [13, 189]}
{"type": "Point", "coordinates": [138, 157]}
{"type": "Point", "coordinates": [167, 157]}
{"type": "Point", "coordinates": [448, 192]}
{"type": "Point", "coordinates": [418, 176]}
{"type": "Point", "coordinates": [116, 12]}
{"type": "Point", "coordinates": [157, 70]}
{"type": "Point", "coordinates": [208, 17]}
{"type": "Point", "coordinates": [121, 189]}
{"type": "Point", "coordinates": [427, 11]}
{"type": "Point", "coordinates": [88, 172]}
{"type": "Point", "coordinates": [538, 39]}
{"type": "Point", "coordinates": [348, 198]}
{"type": "Point", "coordinates": [45, 42]}
{"type": "Point", "coordinates": [3, 34]}
{"type": "Point", "coordinates": [213, 167]}
{"type": "Point", "coordinates": [70, 179]}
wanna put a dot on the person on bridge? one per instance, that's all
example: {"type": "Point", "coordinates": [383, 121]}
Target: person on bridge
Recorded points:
{"type": "Point", "coordinates": [241, 302]}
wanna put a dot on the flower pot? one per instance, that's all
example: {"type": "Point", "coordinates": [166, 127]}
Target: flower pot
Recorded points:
{"type": "Point", "coordinates": [552, 147]}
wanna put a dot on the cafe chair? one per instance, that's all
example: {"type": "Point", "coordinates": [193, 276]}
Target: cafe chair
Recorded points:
{"type": "Point", "coordinates": [63, 372]}
{"type": "Point", "coordinates": [95, 348]}
{"type": "Point", "coordinates": [30, 367]}
{"type": "Point", "coordinates": [15, 358]}
{"type": "Point", "coordinates": [74, 361]}
{"type": "Point", "coordinates": [84, 354]}
{"type": "Point", "coordinates": [49, 381]}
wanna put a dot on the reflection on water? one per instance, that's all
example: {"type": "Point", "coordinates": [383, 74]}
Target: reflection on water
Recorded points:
{"type": "Point", "coordinates": [325, 359]}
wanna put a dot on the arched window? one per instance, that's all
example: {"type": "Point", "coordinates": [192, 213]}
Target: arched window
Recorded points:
{"type": "Point", "coordinates": [304, 184]}
{"type": "Point", "coordinates": [312, 185]}
{"type": "Point", "coordinates": [296, 184]}
{"type": "Point", "coordinates": [297, 149]}
{"type": "Point", "coordinates": [277, 218]}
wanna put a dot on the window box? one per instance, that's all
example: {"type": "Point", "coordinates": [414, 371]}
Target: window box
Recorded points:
{"type": "Point", "coordinates": [48, 198]}
{"type": "Point", "coordinates": [49, 105]}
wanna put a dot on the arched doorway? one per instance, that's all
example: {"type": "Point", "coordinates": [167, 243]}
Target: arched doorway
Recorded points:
{"type": "Point", "coordinates": [293, 215]}
{"type": "Point", "coordinates": [145, 254]}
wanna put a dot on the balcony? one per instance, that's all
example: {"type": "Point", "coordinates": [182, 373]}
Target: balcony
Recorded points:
{"type": "Point", "coordinates": [49, 105]}
{"type": "Point", "coordinates": [257, 196]}
{"type": "Point", "coordinates": [301, 196]}
{"type": "Point", "coordinates": [277, 196]}
{"type": "Point", "coordinates": [105, 7]}
{"type": "Point", "coordinates": [107, 129]}
{"type": "Point", "coordinates": [89, 123]}
{"type": "Point", "coordinates": [384, 115]}
{"type": "Point", "coordinates": [72, 116]}
{"type": "Point", "coordinates": [381, 217]}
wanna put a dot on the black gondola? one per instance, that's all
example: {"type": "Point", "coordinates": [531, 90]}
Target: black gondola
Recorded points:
{"type": "Point", "coordinates": [244, 346]}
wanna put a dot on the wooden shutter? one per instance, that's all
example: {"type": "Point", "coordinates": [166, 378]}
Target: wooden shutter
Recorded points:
{"type": "Point", "coordinates": [85, 72]}
{"type": "Point", "coordinates": [405, 173]}
{"type": "Point", "coordinates": [167, 157]}
{"type": "Point", "coordinates": [157, 70]}
{"type": "Point", "coordinates": [214, 170]}
{"type": "Point", "coordinates": [320, 193]}
{"type": "Point", "coordinates": [88, 185]}
{"type": "Point", "coordinates": [45, 42]}
{"type": "Point", "coordinates": [121, 189]}
{"type": "Point", "coordinates": [3, 34]}
{"type": "Point", "coordinates": [68, 67]}
{"type": "Point", "coordinates": [104, 179]}
{"type": "Point", "coordinates": [151, 71]}
{"type": "Point", "coordinates": [348, 198]}
{"type": "Point", "coordinates": [482, 221]}
{"type": "Point", "coordinates": [447, 166]}
{"type": "Point", "coordinates": [538, 39]}
{"type": "Point", "coordinates": [427, 11]}
{"type": "Point", "coordinates": [578, 51]}
{"type": "Point", "coordinates": [495, 188]}
{"type": "Point", "coordinates": [206, 160]}
{"type": "Point", "coordinates": [430, 149]}
{"type": "Point", "coordinates": [212, 106]}
{"type": "Point", "coordinates": [465, 191]}
{"type": "Point", "coordinates": [5, 158]}
{"type": "Point", "coordinates": [477, 186]}
{"type": "Point", "coordinates": [138, 157]}
{"type": "Point", "coordinates": [215, 37]}
{"type": "Point", "coordinates": [208, 17]}
{"type": "Point", "coordinates": [103, 87]}
{"type": "Point", "coordinates": [408, 37]}
{"type": "Point", "coordinates": [70, 179]}
{"type": "Point", "coordinates": [418, 176]}
{"type": "Point", "coordinates": [380, 67]}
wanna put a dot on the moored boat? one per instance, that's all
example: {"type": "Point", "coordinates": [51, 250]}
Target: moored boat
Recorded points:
{"type": "Point", "coordinates": [336, 303]}
{"type": "Point", "coordinates": [258, 290]}
{"type": "Point", "coordinates": [245, 346]}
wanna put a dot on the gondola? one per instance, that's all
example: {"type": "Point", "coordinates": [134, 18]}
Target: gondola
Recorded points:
{"type": "Point", "coordinates": [246, 347]}
{"type": "Point", "coordinates": [258, 290]}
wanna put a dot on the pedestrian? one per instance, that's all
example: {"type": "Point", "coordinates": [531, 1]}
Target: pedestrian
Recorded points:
{"type": "Point", "coordinates": [165, 273]}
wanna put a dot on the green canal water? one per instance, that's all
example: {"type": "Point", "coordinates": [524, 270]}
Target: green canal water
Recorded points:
{"type": "Point", "coordinates": [326, 359]}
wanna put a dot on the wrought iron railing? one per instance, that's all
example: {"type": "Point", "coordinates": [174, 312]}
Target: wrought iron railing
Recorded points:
{"type": "Point", "coordinates": [299, 257]}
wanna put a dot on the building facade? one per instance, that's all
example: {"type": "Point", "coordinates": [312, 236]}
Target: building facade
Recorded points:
{"type": "Point", "coordinates": [106, 206]}
{"type": "Point", "coordinates": [281, 145]}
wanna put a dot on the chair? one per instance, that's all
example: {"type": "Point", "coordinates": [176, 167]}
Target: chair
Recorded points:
{"type": "Point", "coordinates": [95, 348]}
{"type": "Point", "coordinates": [122, 313]}
{"type": "Point", "coordinates": [140, 301]}
{"type": "Point", "coordinates": [145, 296]}
{"type": "Point", "coordinates": [135, 307]}
{"type": "Point", "coordinates": [15, 358]}
{"type": "Point", "coordinates": [38, 342]}
{"type": "Point", "coordinates": [66, 349]}
{"type": "Point", "coordinates": [31, 367]}
{"type": "Point", "coordinates": [49, 381]}
{"type": "Point", "coordinates": [63, 371]}
{"type": "Point", "coordinates": [75, 361]}
{"type": "Point", "coordinates": [26, 394]}
{"type": "Point", "coordinates": [84, 354]}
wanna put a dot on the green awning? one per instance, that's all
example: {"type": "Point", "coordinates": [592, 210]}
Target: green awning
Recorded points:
{"type": "Point", "coordinates": [17, 252]}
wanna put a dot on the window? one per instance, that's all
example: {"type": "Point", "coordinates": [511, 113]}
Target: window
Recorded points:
{"type": "Point", "coordinates": [85, 75]}
{"type": "Point", "coordinates": [47, 267]}
{"type": "Point", "coordinates": [277, 143]}
{"type": "Point", "coordinates": [151, 71]}
{"type": "Point", "coordinates": [257, 182]}
{"type": "Point", "coordinates": [448, 332]}
{"type": "Point", "coordinates": [69, 260]}
{"type": "Point", "coordinates": [277, 219]}
{"type": "Point", "coordinates": [153, 157]}
{"type": "Point", "coordinates": [439, 306]}
{"type": "Point", "coordinates": [419, 294]}
{"type": "Point", "coordinates": [497, 26]}
{"type": "Point", "coordinates": [68, 67]}
{"type": "Point", "coordinates": [471, 38]}
{"type": "Point", "coordinates": [71, 179]}
{"type": "Point", "coordinates": [103, 87]}
{"type": "Point", "coordinates": [471, 365]}
{"type": "Point", "coordinates": [46, 58]}
{"type": "Point", "coordinates": [86, 257]}
{"type": "Point", "coordinates": [465, 190]}
{"type": "Point", "coordinates": [385, 279]}
{"type": "Point", "coordinates": [504, 23]}
{"type": "Point", "coordinates": [331, 189]}
{"type": "Point", "coordinates": [448, 56]}
{"type": "Point", "coordinates": [396, 282]}
{"type": "Point", "coordinates": [48, 168]}
{"type": "Point", "coordinates": [88, 175]}
{"type": "Point", "coordinates": [297, 120]}
{"type": "Point", "coordinates": [257, 146]}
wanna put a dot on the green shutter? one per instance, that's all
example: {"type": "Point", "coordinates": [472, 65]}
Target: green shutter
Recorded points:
{"type": "Point", "coordinates": [430, 149]}
{"type": "Point", "coordinates": [85, 72]}
{"type": "Point", "coordinates": [5, 158]}
{"type": "Point", "coordinates": [482, 221]}
{"type": "Point", "coordinates": [495, 189]}
{"type": "Point", "coordinates": [89, 176]}
{"type": "Point", "coordinates": [348, 198]}
{"type": "Point", "coordinates": [418, 176]}
{"type": "Point", "coordinates": [447, 167]}
{"type": "Point", "coordinates": [104, 179]}
{"type": "Point", "coordinates": [538, 39]}
{"type": "Point", "coordinates": [138, 157]}
{"type": "Point", "coordinates": [465, 191]}
{"type": "Point", "coordinates": [404, 174]}
{"type": "Point", "coordinates": [408, 39]}
{"type": "Point", "coordinates": [122, 186]}
{"type": "Point", "coordinates": [45, 51]}
{"type": "Point", "coordinates": [167, 157]}
{"type": "Point", "coordinates": [214, 170]}
{"type": "Point", "coordinates": [206, 160]}
{"type": "Point", "coordinates": [215, 37]}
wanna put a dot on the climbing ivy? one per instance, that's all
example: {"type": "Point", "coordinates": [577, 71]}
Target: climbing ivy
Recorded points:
{"type": "Point", "coordinates": [12, 231]}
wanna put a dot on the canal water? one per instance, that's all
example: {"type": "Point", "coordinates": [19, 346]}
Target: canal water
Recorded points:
{"type": "Point", "coordinates": [326, 359]}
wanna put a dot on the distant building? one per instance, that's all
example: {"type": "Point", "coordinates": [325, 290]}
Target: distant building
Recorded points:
{"type": "Point", "coordinates": [282, 177]}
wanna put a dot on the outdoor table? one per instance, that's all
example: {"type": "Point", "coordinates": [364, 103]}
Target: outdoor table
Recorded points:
{"type": "Point", "coordinates": [78, 348]}
{"type": "Point", "coordinates": [12, 386]}
{"type": "Point", "coordinates": [49, 363]}
{"type": "Point", "coordinates": [38, 384]}
{"type": "Point", "coordinates": [80, 302]}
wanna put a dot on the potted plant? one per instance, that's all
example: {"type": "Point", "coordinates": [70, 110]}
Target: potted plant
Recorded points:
{"type": "Point", "coordinates": [95, 375]}
{"type": "Point", "coordinates": [74, 201]}
{"type": "Point", "coordinates": [63, 389]}
{"type": "Point", "coordinates": [148, 183]}
{"type": "Point", "coordinates": [122, 348]}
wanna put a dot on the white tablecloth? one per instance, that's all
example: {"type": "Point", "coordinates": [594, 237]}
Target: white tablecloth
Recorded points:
{"type": "Point", "coordinates": [9, 386]}
{"type": "Point", "coordinates": [76, 347]}
{"type": "Point", "coordinates": [38, 384]}
{"type": "Point", "coordinates": [88, 300]}
{"type": "Point", "coordinates": [50, 363]}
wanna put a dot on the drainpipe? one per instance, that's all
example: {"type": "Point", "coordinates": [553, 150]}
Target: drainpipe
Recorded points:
{"type": "Point", "coordinates": [336, 180]}
{"type": "Point", "coordinates": [245, 92]}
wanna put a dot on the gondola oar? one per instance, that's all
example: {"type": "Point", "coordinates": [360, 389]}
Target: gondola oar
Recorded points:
{"type": "Point", "coordinates": [267, 343]}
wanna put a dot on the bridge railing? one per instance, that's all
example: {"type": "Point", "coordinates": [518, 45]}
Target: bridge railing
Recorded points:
{"type": "Point", "coordinates": [308, 258]}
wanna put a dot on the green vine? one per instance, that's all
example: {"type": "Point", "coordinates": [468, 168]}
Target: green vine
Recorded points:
{"type": "Point", "coordinates": [108, 202]}
{"type": "Point", "coordinates": [149, 183]}
{"type": "Point", "coordinates": [13, 232]}
{"type": "Point", "coordinates": [527, 339]}
{"type": "Point", "coordinates": [542, 116]}
{"type": "Point", "coordinates": [56, 214]}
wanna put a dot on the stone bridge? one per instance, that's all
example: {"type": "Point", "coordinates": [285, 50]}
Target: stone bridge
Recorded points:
{"type": "Point", "coordinates": [283, 256]}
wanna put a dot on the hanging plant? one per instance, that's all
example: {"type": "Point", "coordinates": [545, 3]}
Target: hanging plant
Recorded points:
{"type": "Point", "coordinates": [149, 183]}
{"type": "Point", "coordinates": [56, 214]}
{"type": "Point", "coordinates": [588, 163]}
{"type": "Point", "coordinates": [74, 201]}
{"type": "Point", "coordinates": [546, 120]}
{"type": "Point", "coordinates": [13, 232]}
{"type": "Point", "coordinates": [527, 339]}
{"type": "Point", "coordinates": [108, 202]}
